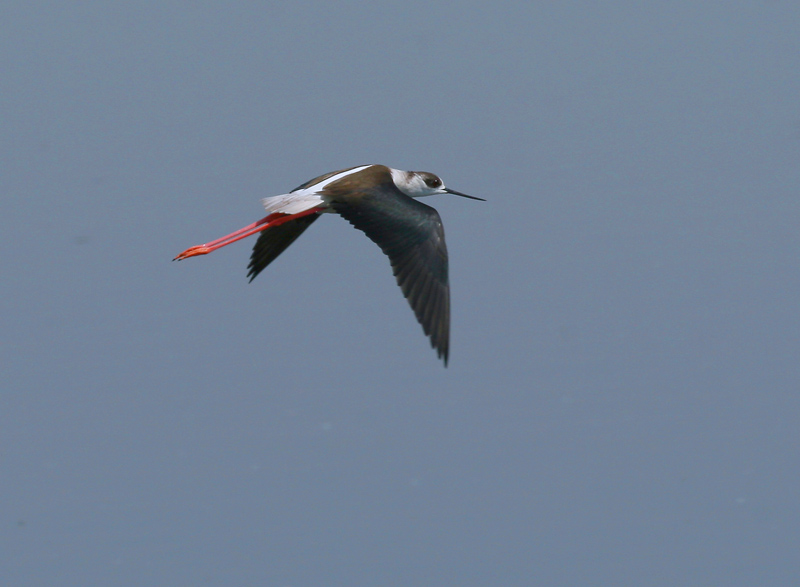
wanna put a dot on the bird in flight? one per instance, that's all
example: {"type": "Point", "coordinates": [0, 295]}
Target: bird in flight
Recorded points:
{"type": "Point", "coordinates": [381, 202]}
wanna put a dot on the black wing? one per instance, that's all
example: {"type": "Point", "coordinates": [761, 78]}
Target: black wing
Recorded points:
{"type": "Point", "coordinates": [412, 236]}
{"type": "Point", "coordinates": [273, 241]}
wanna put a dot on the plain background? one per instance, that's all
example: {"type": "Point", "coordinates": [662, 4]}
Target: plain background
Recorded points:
{"type": "Point", "coordinates": [621, 406]}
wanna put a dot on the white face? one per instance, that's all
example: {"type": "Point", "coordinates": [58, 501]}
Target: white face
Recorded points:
{"type": "Point", "coordinates": [417, 183]}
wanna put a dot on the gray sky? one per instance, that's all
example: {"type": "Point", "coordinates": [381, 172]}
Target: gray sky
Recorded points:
{"type": "Point", "coordinates": [621, 406]}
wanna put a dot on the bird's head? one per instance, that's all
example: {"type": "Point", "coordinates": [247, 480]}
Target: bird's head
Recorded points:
{"type": "Point", "coordinates": [418, 184]}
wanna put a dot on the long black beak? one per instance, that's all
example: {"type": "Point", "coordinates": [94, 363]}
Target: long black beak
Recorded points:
{"type": "Point", "coordinates": [455, 193]}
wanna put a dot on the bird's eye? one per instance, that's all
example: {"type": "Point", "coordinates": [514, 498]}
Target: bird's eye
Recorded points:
{"type": "Point", "coordinates": [433, 182]}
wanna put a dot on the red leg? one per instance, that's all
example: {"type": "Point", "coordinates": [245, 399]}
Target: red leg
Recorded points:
{"type": "Point", "coordinates": [274, 219]}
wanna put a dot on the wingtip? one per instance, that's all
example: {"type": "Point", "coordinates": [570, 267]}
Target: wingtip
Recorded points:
{"type": "Point", "coordinates": [442, 353]}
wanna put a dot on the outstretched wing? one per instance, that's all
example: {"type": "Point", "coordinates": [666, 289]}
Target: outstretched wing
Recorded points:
{"type": "Point", "coordinates": [273, 241]}
{"type": "Point", "coordinates": [412, 236]}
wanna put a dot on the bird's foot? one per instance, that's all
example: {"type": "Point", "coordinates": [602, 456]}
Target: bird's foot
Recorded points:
{"type": "Point", "coordinates": [193, 252]}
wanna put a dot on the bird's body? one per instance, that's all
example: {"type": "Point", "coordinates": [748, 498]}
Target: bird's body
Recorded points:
{"type": "Point", "coordinates": [380, 201]}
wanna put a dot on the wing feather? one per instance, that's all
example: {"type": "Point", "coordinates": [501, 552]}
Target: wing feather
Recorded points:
{"type": "Point", "coordinates": [273, 241]}
{"type": "Point", "coordinates": [412, 236]}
